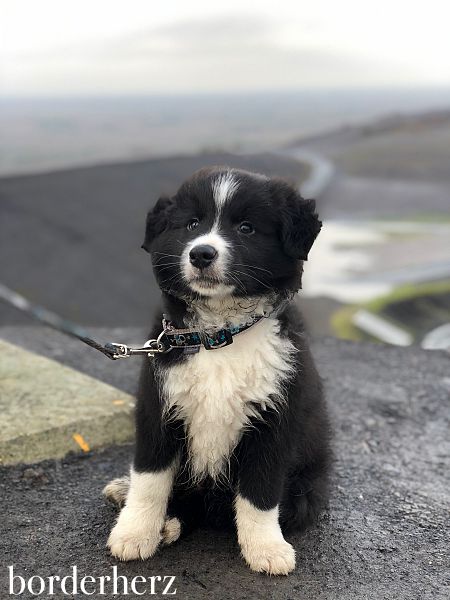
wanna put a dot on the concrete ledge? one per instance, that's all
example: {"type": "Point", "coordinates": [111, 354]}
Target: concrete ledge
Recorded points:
{"type": "Point", "coordinates": [122, 374]}
{"type": "Point", "coordinates": [49, 409]}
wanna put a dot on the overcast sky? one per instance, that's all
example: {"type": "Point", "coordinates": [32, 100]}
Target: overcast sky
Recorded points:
{"type": "Point", "coordinates": [148, 46]}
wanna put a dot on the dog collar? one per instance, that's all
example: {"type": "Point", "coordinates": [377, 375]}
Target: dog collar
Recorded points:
{"type": "Point", "coordinates": [191, 340]}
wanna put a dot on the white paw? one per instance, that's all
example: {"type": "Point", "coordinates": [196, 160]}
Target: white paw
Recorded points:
{"type": "Point", "coordinates": [134, 537]}
{"type": "Point", "coordinates": [171, 531]}
{"type": "Point", "coordinates": [117, 490]}
{"type": "Point", "coordinates": [274, 558]}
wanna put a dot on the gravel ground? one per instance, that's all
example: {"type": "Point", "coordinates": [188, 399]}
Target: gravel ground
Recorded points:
{"type": "Point", "coordinates": [385, 534]}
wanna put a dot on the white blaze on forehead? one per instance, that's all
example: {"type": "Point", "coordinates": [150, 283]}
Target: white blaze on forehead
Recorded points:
{"type": "Point", "coordinates": [223, 187]}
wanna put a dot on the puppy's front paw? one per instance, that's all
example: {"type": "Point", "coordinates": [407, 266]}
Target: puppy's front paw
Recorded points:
{"type": "Point", "coordinates": [171, 531]}
{"type": "Point", "coordinates": [117, 490]}
{"type": "Point", "coordinates": [134, 537]}
{"type": "Point", "coordinates": [273, 557]}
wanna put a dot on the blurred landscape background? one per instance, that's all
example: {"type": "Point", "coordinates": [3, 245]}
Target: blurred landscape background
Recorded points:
{"type": "Point", "coordinates": [106, 106]}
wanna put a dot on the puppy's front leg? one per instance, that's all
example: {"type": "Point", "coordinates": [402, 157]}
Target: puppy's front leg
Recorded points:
{"type": "Point", "coordinates": [139, 528]}
{"type": "Point", "coordinates": [261, 540]}
{"type": "Point", "coordinates": [142, 522]}
{"type": "Point", "coordinates": [261, 477]}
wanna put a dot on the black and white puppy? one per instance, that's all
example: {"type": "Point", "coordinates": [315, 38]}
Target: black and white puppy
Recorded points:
{"type": "Point", "coordinates": [238, 433]}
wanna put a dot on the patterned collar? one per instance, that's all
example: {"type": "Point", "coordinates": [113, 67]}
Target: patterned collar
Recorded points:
{"type": "Point", "coordinates": [192, 340]}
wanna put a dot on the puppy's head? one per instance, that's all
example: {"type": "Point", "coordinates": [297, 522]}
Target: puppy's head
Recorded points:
{"type": "Point", "coordinates": [230, 232]}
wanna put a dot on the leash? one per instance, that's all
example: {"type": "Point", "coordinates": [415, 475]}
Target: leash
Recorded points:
{"type": "Point", "coordinates": [54, 321]}
{"type": "Point", "coordinates": [190, 340]}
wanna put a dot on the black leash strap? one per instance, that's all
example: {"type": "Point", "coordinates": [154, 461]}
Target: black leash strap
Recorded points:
{"type": "Point", "coordinates": [55, 322]}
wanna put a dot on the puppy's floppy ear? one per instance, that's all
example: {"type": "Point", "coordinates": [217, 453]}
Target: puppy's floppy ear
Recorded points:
{"type": "Point", "coordinates": [299, 222]}
{"type": "Point", "coordinates": [157, 220]}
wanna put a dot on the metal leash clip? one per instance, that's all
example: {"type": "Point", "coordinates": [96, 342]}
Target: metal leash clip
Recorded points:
{"type": "Point", "coordinates": [150, 348]}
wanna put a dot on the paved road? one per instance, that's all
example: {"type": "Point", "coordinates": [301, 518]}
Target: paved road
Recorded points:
{"type": "Point", "coordinates": [386, 532]}
{"type": "Point", "coordinates": [321, 174]}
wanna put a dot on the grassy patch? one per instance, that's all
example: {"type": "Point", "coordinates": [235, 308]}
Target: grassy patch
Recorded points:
{"type": "Point", "coordinates": [341, 320]}
{"type": "Point", "coordinates": [342, 326]}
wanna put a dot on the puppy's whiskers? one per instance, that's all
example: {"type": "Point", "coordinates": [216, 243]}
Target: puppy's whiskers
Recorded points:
{"type": "Point", "coordinates": [166, 266]}
{"type": "Point", "coordinates": [235, 279]}
{"type": "Point", "coordinates": [254, 267]}
{"type": "Point", "coordinates": [165, 254]}
{"type": "Point", "coordinates": [266, 285]}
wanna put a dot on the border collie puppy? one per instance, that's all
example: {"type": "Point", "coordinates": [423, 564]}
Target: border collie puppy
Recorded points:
{"type": "Point", "coordinates": [231, 423]}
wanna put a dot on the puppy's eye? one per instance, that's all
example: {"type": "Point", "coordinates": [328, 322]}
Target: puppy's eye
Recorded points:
{"type": "Point", "coordinates": [246, 227]}
{"type": "Point", "coordinates": [193, 224]}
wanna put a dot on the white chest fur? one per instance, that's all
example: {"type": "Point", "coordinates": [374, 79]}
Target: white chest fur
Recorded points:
{"type": "Point", "coordinates": [215, 392]}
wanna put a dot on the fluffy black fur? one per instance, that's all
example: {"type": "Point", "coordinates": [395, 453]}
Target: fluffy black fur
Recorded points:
{"type": "Point", "coordinates": [284, 458]}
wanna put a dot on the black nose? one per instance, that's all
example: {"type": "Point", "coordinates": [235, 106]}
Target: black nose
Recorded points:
{"type": "Point", "coordinates": [202, 256]}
